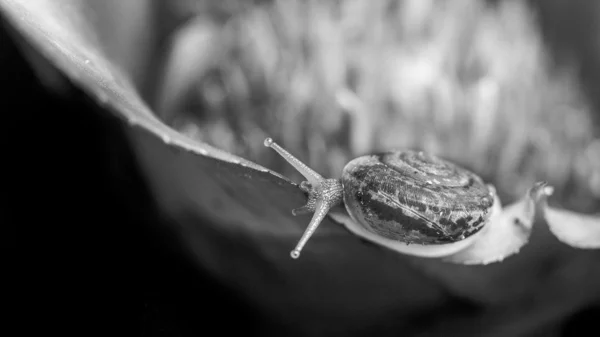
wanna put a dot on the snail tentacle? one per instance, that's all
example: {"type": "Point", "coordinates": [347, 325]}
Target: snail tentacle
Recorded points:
{"type": "Point", "coordinates": [322, 210]}
{"type": "Point", "coordinates": [327, 195]}
{"type": "Point", "coordinates": [305, 186]}
{"type": "Point", "coordinates": [306, 209]}
{"type": "Point", "coordinates": [323, 194]}
{"type": "Point", "coordinates": [313, 177]}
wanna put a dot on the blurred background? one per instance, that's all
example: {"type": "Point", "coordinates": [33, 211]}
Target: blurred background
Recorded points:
{"type": "Point", "coordinates": [337, 80]}
{"type": "Point", "coordinates": [506, 88]}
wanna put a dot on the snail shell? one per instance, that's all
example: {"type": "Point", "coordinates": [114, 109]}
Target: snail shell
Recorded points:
{"type": "Point", "coordinates": [415, 197]}
{"type": "Point", "coordinates": [399, 197]}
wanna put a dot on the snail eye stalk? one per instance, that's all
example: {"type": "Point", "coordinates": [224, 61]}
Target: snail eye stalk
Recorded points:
{"type": "Point", "coordinates": [313, 177]}
{"type": "Point", "coordinates": [323, 194]}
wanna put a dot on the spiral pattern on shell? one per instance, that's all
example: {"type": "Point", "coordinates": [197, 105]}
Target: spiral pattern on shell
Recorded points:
{"type": "Point", "coordinates": [415, 197]}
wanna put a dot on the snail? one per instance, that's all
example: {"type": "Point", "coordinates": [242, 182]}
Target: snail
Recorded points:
{"type": "Point", "coordinates": [411, 201]}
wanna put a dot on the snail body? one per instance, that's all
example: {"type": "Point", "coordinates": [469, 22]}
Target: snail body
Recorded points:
{"type": "Point", "coordinates": [423, 203]}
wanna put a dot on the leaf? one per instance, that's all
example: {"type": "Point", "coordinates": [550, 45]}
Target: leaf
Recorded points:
{"type": "Point", "coordinates": [575, 229]}
{"type": "Point", "coordinates": [62, 33]}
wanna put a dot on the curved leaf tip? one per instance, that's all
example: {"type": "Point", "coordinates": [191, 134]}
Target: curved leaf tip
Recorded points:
{"type": "Point", "coordinates": [574, 229]}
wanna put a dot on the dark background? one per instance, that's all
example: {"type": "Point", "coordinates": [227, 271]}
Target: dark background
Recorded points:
{"type": "Point", "coordinates": [91, 255]}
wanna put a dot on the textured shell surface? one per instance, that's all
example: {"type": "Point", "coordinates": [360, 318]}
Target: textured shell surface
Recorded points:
{"type": "Point", "coordinates": [415, 197]}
